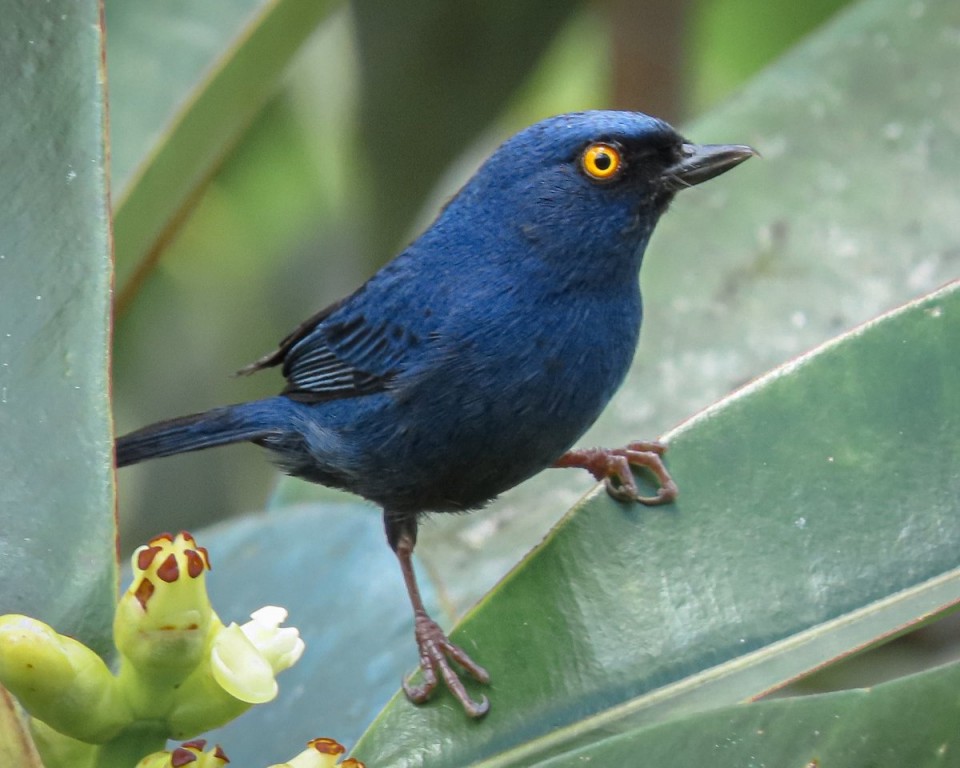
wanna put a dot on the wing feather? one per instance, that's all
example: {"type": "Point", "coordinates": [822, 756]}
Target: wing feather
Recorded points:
{"type": "Point", "coordinates": [339, 352]}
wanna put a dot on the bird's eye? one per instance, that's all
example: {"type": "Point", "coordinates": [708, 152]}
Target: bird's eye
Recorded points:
{"type": "Point", "coordinates": [601, 162]}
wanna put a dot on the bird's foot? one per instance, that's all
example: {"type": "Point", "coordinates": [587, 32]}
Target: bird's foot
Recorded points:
{"type": "Point", "coordinates": [435, 650]}
{"type": "Point", "coordinates": [613, 466]}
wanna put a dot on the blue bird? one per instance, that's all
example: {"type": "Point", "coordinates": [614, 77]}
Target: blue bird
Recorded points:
{"type": "Point", "coordinates": [479, 355]}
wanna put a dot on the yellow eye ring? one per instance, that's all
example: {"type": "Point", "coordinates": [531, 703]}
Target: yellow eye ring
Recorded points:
{"type": "Point", "coordinates": [601, 162]}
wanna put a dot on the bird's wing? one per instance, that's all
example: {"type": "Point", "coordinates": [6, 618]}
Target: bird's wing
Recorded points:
{"type": "Point", "coordinates": [339, 352]}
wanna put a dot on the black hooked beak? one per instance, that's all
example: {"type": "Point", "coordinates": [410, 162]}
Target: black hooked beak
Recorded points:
{"type": "Point", "coordinates": [702, 162]}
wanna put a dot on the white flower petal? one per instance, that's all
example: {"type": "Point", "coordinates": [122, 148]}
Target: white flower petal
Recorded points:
{"type": "Point", "coordinates": [240, 668]}
{"type": "Point", "coordinates": [281, 646]}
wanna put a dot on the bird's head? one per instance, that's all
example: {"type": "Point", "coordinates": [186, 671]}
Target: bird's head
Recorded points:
{"type": "Point", "coordinates": [590, 184]}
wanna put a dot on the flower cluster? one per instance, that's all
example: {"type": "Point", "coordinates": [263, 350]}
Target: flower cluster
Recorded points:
{"type": "Point", "coordinates": [181, 671]}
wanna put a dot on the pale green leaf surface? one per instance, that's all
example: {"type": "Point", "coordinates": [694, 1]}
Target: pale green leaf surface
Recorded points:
{"type": "Point", "coordinates": [908, 722]}
{"type": "Point", "coordinates": [56, 490]}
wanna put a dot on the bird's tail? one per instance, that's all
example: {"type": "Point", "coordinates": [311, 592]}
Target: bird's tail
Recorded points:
{"type": "Point", "coordinates": [220, 426]}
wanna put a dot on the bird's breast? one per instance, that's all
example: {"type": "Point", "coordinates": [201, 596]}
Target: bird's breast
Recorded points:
{"type": "Point", "coordinates": [513, 397]}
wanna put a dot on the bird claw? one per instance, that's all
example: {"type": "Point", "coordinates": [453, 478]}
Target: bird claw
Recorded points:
{"type": "Point", "coordinates": [613, 466]}
{"type": "Point", "coordinates": [435, 650]}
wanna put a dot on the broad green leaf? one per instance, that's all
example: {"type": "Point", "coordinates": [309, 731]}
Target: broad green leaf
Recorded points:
{"type": "Point", "coordinates": [57, 560]}
{"type": "Point", "coordinates": [186, 80]}
{"type": "Point", "coordinates": [818, 514]}
{"type": "Point", "coordinates": [912, 721]}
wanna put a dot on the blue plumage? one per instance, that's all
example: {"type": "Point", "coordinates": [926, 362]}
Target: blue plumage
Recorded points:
{"type": "Point", "coordinates": [478, 356]}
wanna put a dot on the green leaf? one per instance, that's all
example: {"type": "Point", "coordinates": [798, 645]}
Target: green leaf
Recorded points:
{"type": "Point", "coordinates": [186, 80]}
{"type": "Point", "coordinates": [57, 560]}
{"type": "Point", "coordinates": [818, 514]}
{"type": "Point", "coordinates": [912, 721]}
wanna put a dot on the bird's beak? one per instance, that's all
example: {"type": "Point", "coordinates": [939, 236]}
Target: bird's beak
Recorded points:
{"type": "Point", "coordinates": [701, 162]}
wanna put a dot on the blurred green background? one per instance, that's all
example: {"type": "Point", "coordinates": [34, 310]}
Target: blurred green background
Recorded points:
{"type": "Point", "coordinates": [382, 114]}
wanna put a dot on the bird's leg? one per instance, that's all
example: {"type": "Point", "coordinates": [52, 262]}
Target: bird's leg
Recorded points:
{"type": "Point", "coordinates": [613, 467]}
{"type": "Point", "coordinates": [434, 647]}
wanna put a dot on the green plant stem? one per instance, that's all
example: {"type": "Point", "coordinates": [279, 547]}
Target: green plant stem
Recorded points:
{"type": "Point", "coordinates": [131, 746]}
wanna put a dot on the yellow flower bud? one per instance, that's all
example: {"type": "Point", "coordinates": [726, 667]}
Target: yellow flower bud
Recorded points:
{"type": "Point", "coordinates": [321, 753]}
{"type": "Point", "coordinates": [164, 618]}
{"type": "Point", "coordinates": [188, 755]}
